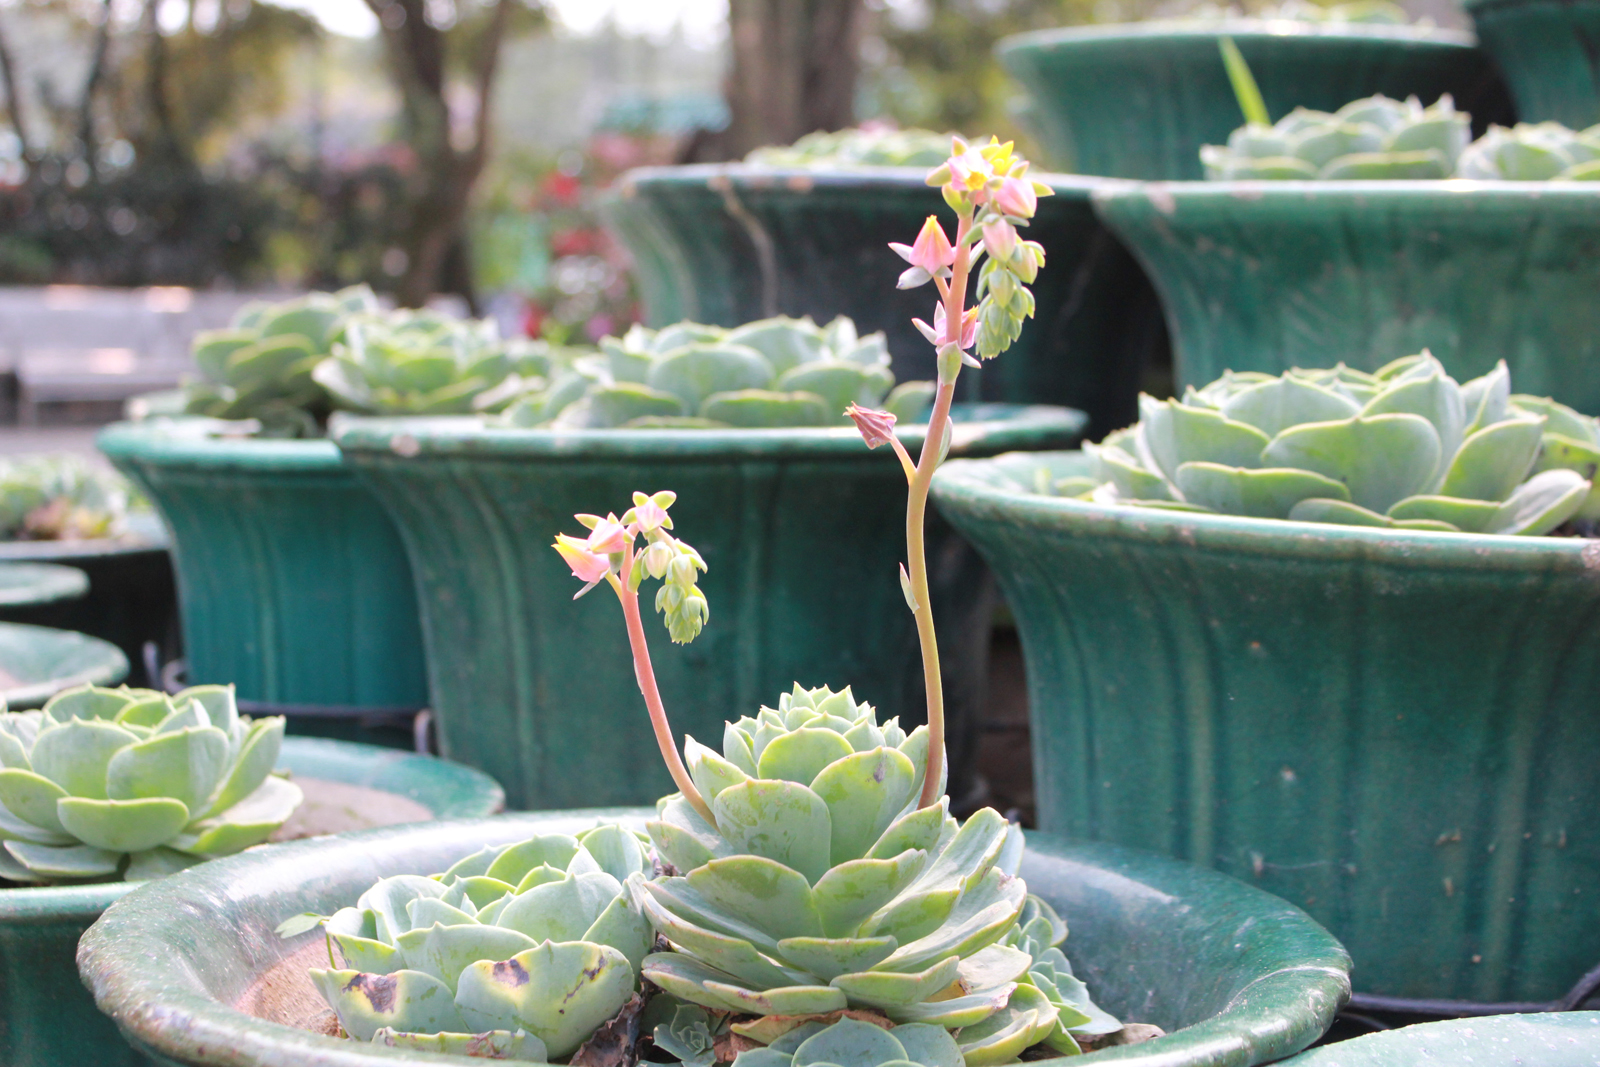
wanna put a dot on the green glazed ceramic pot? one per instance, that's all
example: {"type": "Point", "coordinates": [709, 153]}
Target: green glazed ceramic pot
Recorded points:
{"type": "Point", "coordinates": [131, 599]}
{"type": "Point", "coordinates": [1393, 729]}
{"type": "Point", "coordinates": [1553, 1039]}
{"type": "Point", "coordinates": [728, 244]}
{"type": "Point", "coordinates": [1264, 276]}
{"type": "Point", "coordinates": [803, 531]}
{"type": "Point", "coordinates": [1235, 976]}
{"type": "Point", "coordinates": [1547, 50]}
{"type": "Point", "coordinates": [1138, 100]}
{"type": "Point", "coordinates": [37, 662]}
{"type": "Point", "coordinates": [292, 582]}
{"type": "Point", "coordinates": [26, 585]}
{"type": "Point", "coordinates": [47, 1017]}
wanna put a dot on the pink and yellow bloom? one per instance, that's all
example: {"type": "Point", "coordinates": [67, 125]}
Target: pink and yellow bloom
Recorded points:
{"type": "Point", "coordinates": [1016, 197]}
{"type": "Point", "coordinates": [876, 427]}
{"type": "Point", "coordinates": [587, 566]}
{"type": "Point", "coordinates": [932, 251]}
{"type": "Point", "coordinates": [969, 326]}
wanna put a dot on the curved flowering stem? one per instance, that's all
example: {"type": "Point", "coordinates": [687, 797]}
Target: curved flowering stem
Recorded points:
{"type": "Point", "coordinates": [610, 554]}
{"type": "Point", "coordinates": [990, 192]}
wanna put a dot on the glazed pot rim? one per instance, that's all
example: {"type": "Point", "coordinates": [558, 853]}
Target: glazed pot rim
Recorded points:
{"type": "Point", "coordinates": [53, 903]}
{"type": "Point", "coordinates": [459, 435]}
{"type": "Point", "coordinates": [1165, 195]}
{"type": "Point", "coordinates": [162, 444]}
{"type": "Point", "coordinates": [968, 485]}
{"type": "Point", "coordinates": [162, 1005]}
{"type": "Point", "coordinates": [50, 583]}
{"type": "Point", "coordinates": [107, 666]}
{"type": "Point", "coordinates": [1475, 6]}
{"type": "Point", "coordinates": [1180, 31]}
{"type": "Point", "coordinates": [805, 178]}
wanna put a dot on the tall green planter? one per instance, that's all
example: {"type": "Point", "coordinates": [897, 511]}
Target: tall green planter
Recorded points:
{"type": "Point", "coordinates": [1236, 976]}
{"type": "Point", "coordinates": [1138, 100]}
{"type": "Point", "coordinates": [292, 581]}
{"type": "Point", "coordinates": [48, 1018]}
{"type": "Point", "coordinates": [131, 600]}
{"type": "Point", "coordinates": [37, 662]}
{"type": "Point", "coordinates": [802, 530]}
{"type": "Point", "coordinates": [1547, 49]}
{"type": "Point", "coordinates": [1265, 276]}
{"type": "Point", "coordinates": [728, 244]}
{"type": "Point", "coordinates": [1394, 730]}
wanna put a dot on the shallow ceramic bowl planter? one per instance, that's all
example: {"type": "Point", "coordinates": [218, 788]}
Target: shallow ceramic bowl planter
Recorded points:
{"type": "Point", "coordinates": [731, 244]}
{"type": "Point", "coordinates": [802, 529]}
{"type": "Point", "coordinates": [131, 598]}
{"type": "Point", "coordinates": [1138, 100]}
{"type": "Point", "coordinates": [47, 1017]}
{"type": "Point", "coordinates": [1236, 976]}
{"type": "Point", "coordinates": [37, 662]}
{"type": "Point", "coordinates": [292, 582]}
{"type": "Point", "coordinates": [1547, 50]}
{"type": "Point", "coordinates": [26, 585]}
{"type": "Point", "coordinates": [1394, 730]}
{"type": "Point", "coordinates": [1554, 1039]}
{"type": "Point", "coordinates": [1265, 276]}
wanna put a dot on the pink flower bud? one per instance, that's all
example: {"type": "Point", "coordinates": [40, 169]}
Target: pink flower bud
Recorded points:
{"type": "Point", "coordinates": [932, 252]}
{"type": "Point", "coordinates": [586, 566]}
{"type": "Point", "coordinates": [1000, 238]}
{"type": "Point", "coordinates": [877, 427]}
{"type": "Point", "coordinates": [1017, 198]}
{"type": "Point", "coordinates": [649, 515]}
{"type": "Point", "coordinates": [608, 536]}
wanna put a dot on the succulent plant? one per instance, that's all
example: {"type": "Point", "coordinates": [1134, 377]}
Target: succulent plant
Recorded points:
{"type": "Point", "coordinates": [1534, 152]}
{"type": "Point", "coordinates": [822, 886]}
{"type": "Point", "coordinates": [854, 1041]}
{"type": "Point", "coordinates": [520, 951]}
{"type": "Point", "coordinates": [1404, 447]}
{"type": "Point", "coordinates": [425, 363]}
{"type": "Point", "coordinates": [261, 366]}
{"type": "Point", "coordinates": [1371, 138]}
{"type": "Point", "coordinates": [60, 497]}
{"type": "Point", "coordinates": [1571, 442]}
{"type": "Point", "coordinates": [859, 147]}
{"type": "Point", "coordinates": [134, 784]}
{"type": "Point", "coordinates": [773, 372]}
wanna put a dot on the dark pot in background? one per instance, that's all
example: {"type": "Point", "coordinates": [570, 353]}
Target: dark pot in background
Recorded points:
{"type": "Point", "coordinates": [1547, 49]}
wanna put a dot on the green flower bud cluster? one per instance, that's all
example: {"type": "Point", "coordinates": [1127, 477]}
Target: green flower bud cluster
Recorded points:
{"type": "Point", "coordinates": [60, 497]}
{"type": "Point", "coordinates": [1005, 301]}
{"type": "Point", "coordinates": [858, 148]}
{"type": "Point", "coordinates": [679, 598]}
{"type": "Point", "coordinates": [769, 373]}
{"type": "Point", "coordinates": [133, 784]}
{"type": "Point", "coordinates": [518, 952]}
{"type": "Point", "coordinates": [424, 363]}
{"type": "Point", "coordinates": [1534, 152]}
{"type": "Point", "coordinates": [1405, 447]}
{"type": "Point", "coordinates": [1367, 139]}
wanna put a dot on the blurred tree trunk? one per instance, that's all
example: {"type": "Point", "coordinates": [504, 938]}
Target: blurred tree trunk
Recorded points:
{"type": "Point", "coordinates": [8, 85]}
{"type": "Point", "coordinates": [91, 82]}
{"type": "Point", "coordinates": [794, 71]}
{"type": "Point", "coordinates": [434, 237]}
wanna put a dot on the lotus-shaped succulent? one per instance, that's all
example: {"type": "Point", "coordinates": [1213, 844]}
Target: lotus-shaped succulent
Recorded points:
{"type": "Point", "coordinates": [1404, 447]}
{"type": "Point", "coordinates": [822, 885]}
{"type": "Point", "coordinates": [425, 363]}
{"type": "Point", "coordinates": [522, 951]}
{"type": "Point", "coordinates": [60, 497]}
{"type": "Point", "coordinates": [261, 366]}
{"type": "Point", "coordinates": [1371, 138]}
{"type": "Point", "coordinates": [1534, 152]}
{"type": "Point", "coordinates": [134, 784]}
{"type": "Point", "coordinates": [859, 147]}
{"type": "Point", "coordinates": [774, 372]}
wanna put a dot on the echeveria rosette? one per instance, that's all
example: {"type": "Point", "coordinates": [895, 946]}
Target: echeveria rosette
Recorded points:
{"type": "Point", "coordinates": [858, 147]}
{"type": "Point", "coordinates": [770, 373]}
{"type": "Point", "coordinates": [1534, 152]}
{"type": "Point", "coordinates": [60, 497]}
{"type": "Point", "coordinates": [424, 363]}
{"type": "Point", "coordinates": [822, 886]}
{"type": "Point", "coordinates": [134, 784]}
{"type": "Point", "coordinates": [520, 952]}
{"type": "Point", "coordinates": [1406, 447]}
{"type": "Point", "coordinates": [1371, 138]}
{"type": "Point", "coordinates": [261, 366]}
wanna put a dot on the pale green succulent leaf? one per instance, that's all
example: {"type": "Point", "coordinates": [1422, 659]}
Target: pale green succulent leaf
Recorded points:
{"type": "Point", "coordinates": [896, 989]}
{"type": "Point", "coordinates": [783, 821]}
{"type": "Point", "coordinates": [85, 702]}
{"type": "Point", "coordinates": [477, 890]}
{"type": "Point", "coordinates": [956, 1012]}
{"type": "Point", "coordinates": [781, 1000]}
{"type": "Point", "coordinates": [1268, 493]}
{"type": "Point", "coordinates": [618, 851]}
{"type": "Point", "coordinates": [31, 797]}
{"type": "Point", "coordinates": [687, 979]}
{"type": "Point", "coordinates": [1494, 460]}
{"type": "Point", "coordinates": [969, 854]}
{"type": "Point", "coordinates": [405, 1000]}
{"type": "Point", "coordinates": [426, 911]}
{"type": "Point", "coordinates": [827, 958]}
{"type": "Point", "coordinates": [760, 892]}
{"type": "Point", "coordinates": [849, 1043]}
{"type": "Point", "coordinates": [981, 918]}
{"type": "Point", "coordinates": [1123, 471]}
{"type": "Point", "coordinates": [994, 966]}
{"type": "Point", "coordinates": [855, 889]}
{"type": "Point", "coordinates": [553, 850]}
{"type": "Point", "coordinates": [696, 371]}
{"type": "Point", "coordinates": [763, 1057]}
{"type": "Point", "coordinates": [865, 792]}
{"type": "Point", "coordinates": [249, 822]}
{"type": "Point", "coordinates": [560, 993]}
{"type": "Point", "coordinates": [445, 952]}
{"type": "Point", "coordinates": [472, 866]}
{"type": "Point", "coordinates": [913, 915]}
{"type": "Point", "coordinates": [156, 863]}
{"type": "Point", "coordinates": [682, 838]}
{"type": "Point", "coordinates": [1381, 458]}
{"type": "Point", "coordinates": [122, 825]}
{"type": "Point", "coordinates": [1002, 1036]}
{"type": "Point", "coordinates": [733, 955]}
{"type": "Point", "coordinates": [1202, 435]}
{"type": "Point", "coordinates": [389, 901]}
{"type": "Point", "coordinates": [838, 384]}
{"type": "Point", "coordinates": [1337, 512]}
{"type": "Point", "coordinates": [1487, 399]}
{"type": "Point", "coordinates": [258, 754]}
{"type": "Point", "coordinates": [75, 754]}
{"type": "Point", "coordinates": [676, 896]}
{"type": "Point", "coordinates": [802, 754]}
{"type": "Point", "coordinates": [1470, 516]}
{"type": "Point", "coordinates": [1541, 504]}
{"type": "Point", "coordinates": [928, 1045]}
{"type": "Point", "coordinates": [758, 408]}
{"type": "Point", "coordinates": [147, 713]}
{"type": "Point", "coordinates": [493, 1044]}
{"type": "Point", "coordinates": [624, 928]}
{"type": "Point", "coordinates": [919, 830]}
{"type": "Point", "coordinates": [71, 862]}
{"type": "Point", "coordinates": [1559, 419]}
{"type": "Point", "coordinates": [14, 829]}
{"type": "Point", "coordinates": [1274, 405]}
{"type": "Point", "coordinates": [185, 766]}
{"type": "Point", "coordinates": [560, 911]}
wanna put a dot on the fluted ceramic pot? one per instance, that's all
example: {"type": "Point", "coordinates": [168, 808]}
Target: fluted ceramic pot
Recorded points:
{"type": "Point", "coordinates": [1395, 730]}
{"type": "Point", "coordinates": [1138, 100]}
{"type": "Point", "coordinates": [1547, 49]}
{"type": "Point", "coordinates": [1264, 276]}
{"type": "Point", "coordinates": [803, 531]}
{"type": "Point", "coordinates": [48, 1018]}
{"type": "Point", "coordinates": [1236, 977]}
{"type": "Point", "coordinates": [292, 582]}
{"type": "Point", "coordinates": [731, 243]}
